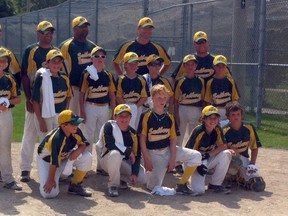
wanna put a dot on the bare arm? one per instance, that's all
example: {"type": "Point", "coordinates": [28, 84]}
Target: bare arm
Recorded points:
{"type": "Point", "coordinates": [15, 100]}
{"type": "Point", "coordinates": [147, 161]}
{"type": "Point", "coordinates": [254, 153]}
{"type": "Point", "coordinates": [141, 101]}
{"type": "Point", "coordinates": [120, 100]}
{"type": "Point", "coordinates": [81, 102]}
{"type": "Point", "coordinates": [50, 183]}
{"type": "Point", "coordinates": [117, 68]}
{"type": "Point", "coordinates": [37, 110]}
{"type": "Point", "coordinates": [218, 150]}
{"type": "Point", "coordinates": [176, 112]}
{"type": "Point", "coordinates": [27, 92]}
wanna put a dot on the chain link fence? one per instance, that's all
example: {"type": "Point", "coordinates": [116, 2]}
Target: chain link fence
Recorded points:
{"type": "Point", "coordinates": [233, 27]}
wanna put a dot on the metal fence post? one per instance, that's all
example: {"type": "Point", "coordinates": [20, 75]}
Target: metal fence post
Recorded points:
{"type": "Point", "coordinates": [145, 8]}
{"type": "Point", "coordinates": [261, 46]}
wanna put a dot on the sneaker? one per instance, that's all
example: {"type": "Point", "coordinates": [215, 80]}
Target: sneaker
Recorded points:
{"type": "Point", "coordinates": [123, 185]}
{"type": "Point", "coordinates": [219, 189]}
{"type": "Point", "coordinates": [25, 176]}
{"type": "Point", "coordinates": [66, 179]}
{"type": "Point", "coordinates": [101, 172]}
{"type": "Point", "coordinates": [13, 186]}
{"type": "Point", "coordinates": [77, 189]}
{"type": "Point", "coordinates": [179, 169]}
{"type": "Point", "coordinates": [113, 191]}
{"type": "Point", "coordinates": [184, 190]}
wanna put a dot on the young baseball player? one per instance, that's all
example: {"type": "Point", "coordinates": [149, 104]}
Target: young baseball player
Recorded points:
{"type": "Point", "coordinates": [241, 137]}
{"type": "Point", "coordinates": [189, 95]}
{"type": "Point", "coordinates": [221, 89]}
{"type": "Point", "coordinates": [154, 64]}
{"type": "Point", "coordinates": [132, 88]}
{"type": "Point", "coordinates": [121, 155]}
{"type": "Point", "coordinates": [97, 91]}
{"type": "Point", "coordinates": [158, 137]}
{"type": "Point", "coordinates": [66, 142]}
{"type": "Point", "coordinates": [209, 140]}
{"type": "Point", "coordinates": [51, 93]}
{"type": "Point", "coordinates": [9, 96]}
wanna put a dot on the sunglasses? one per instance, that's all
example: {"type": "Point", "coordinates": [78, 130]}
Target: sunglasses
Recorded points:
{"type": "Point", "coordinates": [156, 64]}
{"type": "Point", "coordinates": [46, 32]}
{"type": "Point", "coordinates": [201, 42]}
{"type": "Point", "coordinates": [99, 56]}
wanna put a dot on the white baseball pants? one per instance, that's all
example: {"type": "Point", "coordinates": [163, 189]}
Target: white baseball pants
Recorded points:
{"type": "Point", "coordinates": [6, 126]}
{"type": "Point", "coordinates": [220, 163]}
{"type": "Point", "coordinates": [160, 160]}
{"type": "Point", "coordinates": [117, 168]}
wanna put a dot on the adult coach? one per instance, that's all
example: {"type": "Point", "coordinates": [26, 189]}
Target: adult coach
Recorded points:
{"type": "Point", "coordinates": [76, 51]}
{"type": "Point", "coordinates": [34, 58]}
{"type": "Point", "coordinates": [143, 47]}
{"type": "Point", "coordinates": [14, 66]}
{"type": "Point", "coordinates": [205, 59]}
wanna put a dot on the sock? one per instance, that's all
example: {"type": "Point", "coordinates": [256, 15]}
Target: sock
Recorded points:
{"type": "Point", "coordinates": [78, 176]}
{"type": "Point", "coordinates": [186, 175]}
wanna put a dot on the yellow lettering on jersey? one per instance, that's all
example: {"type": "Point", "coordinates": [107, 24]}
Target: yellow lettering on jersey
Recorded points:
{"type": "Point", "coordinates": [84, 58]}
{"type": "Point", "coordinates": [98, 92]}
{"type": "Point", "coordinates": [158, 134]}
{"type": "Point", "coordinates": [190, 98]}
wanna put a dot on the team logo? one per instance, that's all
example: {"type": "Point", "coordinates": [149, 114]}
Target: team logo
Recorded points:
{"type": "Point", "coordinates": [148, 21]}
{"type": "Point", "coordinates": [82, 19]}
{"type": "Point", "coordinates": [2, 51]}
{"type": "Point", "coordinates": [221, 58]}
{"type": "Point", "coordinates": [133, 55]}
{"type": "Point", "coordinates": [123, 107]}
{"type": "Point", "coordinates": [46, 24]}
{"type": "Point", "coordinates": [201, 34]}
{"type": "Point", "coordinates": [212, 109]}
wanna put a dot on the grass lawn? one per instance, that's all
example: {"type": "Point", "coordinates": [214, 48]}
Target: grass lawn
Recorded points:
{"type": "Point", "coordinates": [273, 132]}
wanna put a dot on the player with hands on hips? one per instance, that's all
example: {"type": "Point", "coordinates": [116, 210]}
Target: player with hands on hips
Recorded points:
{"type": "Point", "coordinates": [66, 142]}
{"type": "Point", "coordinates": [158, 136]}
{"type": "Point", "coordinates": [120, 151]}
{"type": "Point", "coordinates": [209, 140]}
{"type": "Point", "coordinates": [242, 136]}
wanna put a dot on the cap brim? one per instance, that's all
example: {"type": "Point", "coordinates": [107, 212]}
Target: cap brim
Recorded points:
{"type": "Point", "coordinates": [122, 111]}
{"type": "Point", "coordinates": [44, 29]}
{"type": "Point", "coordinates": [195, 60]}
{"type": "Point", "coordinates": [77, 122]}
{"type": "Point", "coordinates": [104, 51]}
{"type": "Point", "coordinates": [201, 38]}
{"type": "Point", "coordinates": [220, 62]}
{"type": "Point", "coordinates": [145, 25]}
{"type": "Point", "coordinates": [82, 23]}
{"type": "Point", "coordinates": [211, 113]}
{"type": "Point", "coordinates": [132, 60]}
{"type": "Point", "coordinates": [4, 55]}
{"type": "Point", "coordinates": [56, 57]}
{"type": "Point", "coordinates": [157, 59]}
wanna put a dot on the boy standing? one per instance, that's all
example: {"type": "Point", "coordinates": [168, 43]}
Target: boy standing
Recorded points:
{"type": "Point", "coordinates": [121, 155]}
{"type": "Point", "coordinates": [64, 143]}
{"type": "Point", "coordinates": [189, 95]}
{"type": "Point", "coordinates": [51, 93]}
{"type": "Point", "coordinates": [9, 96]}
{"type": "Point", "coordinates": [221, 89]}
{"type": "Point", "coordinates": [132, 88]}
{"type": "Point", "coordinates": [240, 137]}
{"type": "Point", "coordinates": [209, 140]}
{"type": "Point", "coordinates": [158, 137]}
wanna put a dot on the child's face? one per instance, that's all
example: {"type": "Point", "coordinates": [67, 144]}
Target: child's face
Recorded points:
{"type": "Point", "coordinates": [70, 129]}
{"type": "Point", "coordinates": [131, 67]}
{"type": "Point", "coordinates": [160, 99]}
{"type": "Point", "coordinates": [220, 68]}
{"type": "Point", "coordinates": [235, 117]}
{"type": "Point", "coordinates": [99, 59]}
{"type": "Point", "coordinates": [123, 119]}
{"type": "Point", "coordinates": [211, 121]}
{"type": "Point", "coordinates": [55, 64]}
{"type": "Point", "coordinates": [155, 67]}
{"type": "Point", "coordinates": [190, 67]}
{"type": "Point", "coordinates": [3, 63]}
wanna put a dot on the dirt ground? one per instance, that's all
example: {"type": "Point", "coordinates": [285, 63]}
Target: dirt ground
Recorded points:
{"type": "Point", "coordinates": [137, 201]}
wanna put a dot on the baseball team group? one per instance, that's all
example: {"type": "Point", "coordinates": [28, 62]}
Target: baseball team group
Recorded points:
{"type": "Point", "coordinates": [143, 125]}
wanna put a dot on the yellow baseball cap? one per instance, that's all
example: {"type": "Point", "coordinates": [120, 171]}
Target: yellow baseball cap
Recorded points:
{"type": "Point", "coordinates": [79, 21]}
{"type": "Point", "coordinates": [130, 57]}
{"type": "Point", "coordinates": [145, 21]}
{"type": "Point", "coordinates": [189, 58]}
{"type": "Point", "coordinates": [122, 108]}
{"type": "Point", "coordinates": [67, 116]}
{"type": "Point", "coordinates": [209, 110]}
{"type": "Point", "coordinates": [96, 49]}
{"type": "Point", "coordinates": [44, 25]}
{"type": "Point", "coordinates": [4, 53]}
{"type": "Point", "coordinates": [153, 58]}
{"type": "Point", "coordinates": [53, 54]}
{"type": "Point", "coordinates": [220, 59]}
{"type": "Point", "coordinates": [200, 35]}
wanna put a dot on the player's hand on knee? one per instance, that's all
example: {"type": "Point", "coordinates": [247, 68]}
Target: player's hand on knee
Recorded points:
{"type": "Point", "coordinates": [49, 186]}
{"type": "Point", "coordinates": [171, 165]}
{"type": "Point", "coordinates": [202, 170]}
{"type": "Point", "coordinates": [42, 125]}
{"type": "Point", "coordinates": [133, 179]}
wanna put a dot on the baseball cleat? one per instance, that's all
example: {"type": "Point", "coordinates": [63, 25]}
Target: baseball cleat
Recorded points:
{"type": "Point", "coordinates": [219, 189]}
{"type": "Point", "coordinates": [25, 176]}
{"type": "Point", "coordinates": [113, 191]}
{"type": "Point", "coordinates": [13, 186]}
{"type": "Point", "coordinates": [77, 189]}
{"type": "Point", "coordinates": [184, 190]}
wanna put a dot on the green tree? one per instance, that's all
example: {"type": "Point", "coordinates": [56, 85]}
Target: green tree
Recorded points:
{"type": "Point", "coordinates": [6, 8]}
{"type": "Point", "coordinates": [21, 5]}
